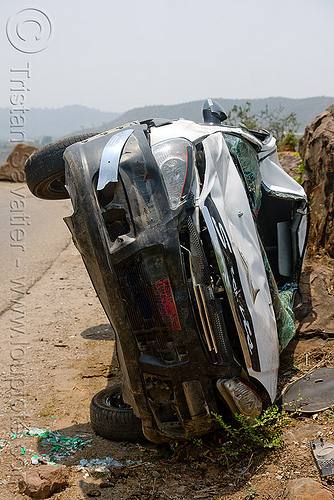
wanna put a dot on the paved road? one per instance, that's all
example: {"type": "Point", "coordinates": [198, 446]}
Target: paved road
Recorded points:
{"type": "Point", "coordinates": [32, 235]}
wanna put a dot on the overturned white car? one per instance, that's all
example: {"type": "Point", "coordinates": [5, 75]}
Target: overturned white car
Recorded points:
{"type": "Point", "coordinates": [194, 238]}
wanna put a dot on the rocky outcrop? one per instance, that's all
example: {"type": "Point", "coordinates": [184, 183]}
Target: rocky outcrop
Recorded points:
{"type": "Point", "coordinates": [291, 163]}
{"type": "Point", "coordinates": [316, 148]}
{"type": "Point", "coordinates": [12, 169]}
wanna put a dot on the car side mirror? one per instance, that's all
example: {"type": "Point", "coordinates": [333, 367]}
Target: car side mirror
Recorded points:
{"type": "Point", "coordinates": [213, 112]}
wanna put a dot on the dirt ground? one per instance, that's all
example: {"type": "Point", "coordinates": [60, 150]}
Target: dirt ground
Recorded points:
{"type": "Point", "coordinates": [57, 351]}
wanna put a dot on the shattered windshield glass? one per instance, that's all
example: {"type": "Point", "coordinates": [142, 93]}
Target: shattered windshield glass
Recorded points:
{"type": "Point", "coordinates": [249, 164]}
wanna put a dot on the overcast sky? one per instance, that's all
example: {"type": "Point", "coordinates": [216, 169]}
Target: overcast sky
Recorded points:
{"type": "Point", "coordinates": [117, 55]}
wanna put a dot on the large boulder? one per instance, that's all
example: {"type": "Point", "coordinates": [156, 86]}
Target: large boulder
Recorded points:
{"type": "Point", "coordinates": [291, 163]}
{"type": "Point", "coordinates": [12, 169]}
{"type": "Point", "coordinates": [316, 148]}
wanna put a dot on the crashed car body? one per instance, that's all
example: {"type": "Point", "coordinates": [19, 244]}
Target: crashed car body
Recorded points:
{"type": "Point", "coordinates": [193, 237]}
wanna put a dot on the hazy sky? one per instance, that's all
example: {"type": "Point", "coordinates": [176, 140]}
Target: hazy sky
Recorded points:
{"type": "Point", "coordinates": [116, 55]}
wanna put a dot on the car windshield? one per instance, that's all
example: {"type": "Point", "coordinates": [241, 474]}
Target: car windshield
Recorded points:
{"type": "Point", "coordinates": [249, 163]}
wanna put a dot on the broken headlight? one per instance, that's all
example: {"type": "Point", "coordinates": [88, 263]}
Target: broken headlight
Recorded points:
{"type": "Point", "coordinates": [175, 158]}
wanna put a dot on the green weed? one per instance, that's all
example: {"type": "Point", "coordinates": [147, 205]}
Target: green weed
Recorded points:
{"type": "Point", "coordinates": [329, 414]}
{"type": "Point", "coordinates": [301, 169]}
{"type": "Point", "coordinates": [187, 450]}
{"type": "Point", "coordinates": [248, 436]}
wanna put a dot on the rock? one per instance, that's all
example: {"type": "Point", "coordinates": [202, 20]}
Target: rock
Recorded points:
{"type": "Point", "coordinates": [42, 481]}
{"type": "Point", "coordinates": [291, 163]}
{"type": "Point", "coordinates": [93, 493]}
{"type": "Point", "coordinates": [317, 288]}
{"type": "Point", "coordinates": [302, 434]}
{"type": "Point", "coordinates": [306, 489]}
{"type": "Point", "coordinates": [316, 148]}
{"type": "Point", "coordinates": [12, 169]}
{"type": "Point", "coordinates": [107, 484]}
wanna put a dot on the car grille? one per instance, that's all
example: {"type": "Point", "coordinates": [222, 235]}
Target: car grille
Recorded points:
{"type": "Point", "coordinates": [207, 307]}
{"type": "Point", "coordinates": [149, 302]}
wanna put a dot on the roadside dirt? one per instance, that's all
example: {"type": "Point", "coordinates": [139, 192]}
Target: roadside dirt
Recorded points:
{"type": "Point", "coordinates": [68, 356]}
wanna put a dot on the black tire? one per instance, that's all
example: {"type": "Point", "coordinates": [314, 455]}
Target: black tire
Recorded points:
{"type": "Point", "coordinates": [113, 419]}
{"type": "Point", "coordinates": [45, 169]}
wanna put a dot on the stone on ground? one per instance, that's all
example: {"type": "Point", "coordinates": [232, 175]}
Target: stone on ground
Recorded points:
{"type": "Point", "coordinates": [12, 169]}
{"type": "Point", "coordinates": [42, 481]}
{"type": "Point", "coordinates": [306, 489]}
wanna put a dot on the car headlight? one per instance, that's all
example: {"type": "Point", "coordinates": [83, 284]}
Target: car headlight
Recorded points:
{"type": "Point", "coordinates": [175, 158]}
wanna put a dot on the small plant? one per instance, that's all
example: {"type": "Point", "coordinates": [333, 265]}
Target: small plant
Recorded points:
{"type": "Point", "coordinates": [180, 450]}
{"type": "Point", "coordinates": [252, 493]}
{"type": "Point", "coordinates": [329, 414]}
{"type": "Point", "coordinates": [296, 406]}
{"type": "Point", "coordinates": [264, 432]}
{"type": "Point", "coordinates": [289, 142]}
{"type": "Point", "coordinates": [301, 169]}
{"type": "Point", "coordinates": [187, 450]}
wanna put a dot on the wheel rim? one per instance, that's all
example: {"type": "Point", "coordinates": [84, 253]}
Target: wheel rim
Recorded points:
{"type": "Point", "coordinates": [116, 401]}
{"type": "Point", "coordinates": [53, 187]}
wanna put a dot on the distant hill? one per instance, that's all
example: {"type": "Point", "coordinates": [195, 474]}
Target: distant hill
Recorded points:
{"type": "Point", "coordinates": [70, 120]}
{"type": "Point", "coordinates": [305, 109]}
{"type": "Point", "coordinates": [56, 122]}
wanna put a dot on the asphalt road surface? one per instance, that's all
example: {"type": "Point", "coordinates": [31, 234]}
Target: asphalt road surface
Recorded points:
{"type": "Point", "coordinates": [32, 235]}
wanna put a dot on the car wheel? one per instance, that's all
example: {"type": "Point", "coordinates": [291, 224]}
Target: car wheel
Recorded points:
{"type": "Point", "coordinates": [45, 169]}
{"type": "Point", "coordinates": [113, 419]}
